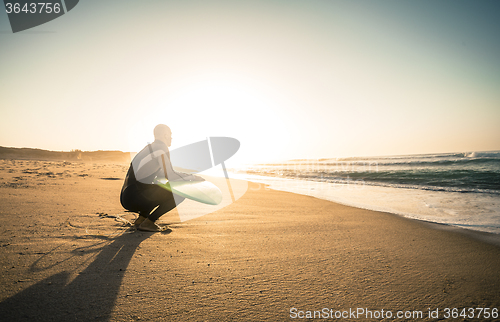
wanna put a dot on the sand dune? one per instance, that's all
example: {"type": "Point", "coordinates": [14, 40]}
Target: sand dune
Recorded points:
{"type": "Point", "coordinates": [9, 153]}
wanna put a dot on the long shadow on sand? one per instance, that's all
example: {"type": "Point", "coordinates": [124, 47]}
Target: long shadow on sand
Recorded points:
{"type": "Point", "coordinates": [90, 296]}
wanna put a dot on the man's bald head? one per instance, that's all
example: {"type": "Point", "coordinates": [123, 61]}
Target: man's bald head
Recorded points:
{"type": "Point", "coordinates": [163, 133]}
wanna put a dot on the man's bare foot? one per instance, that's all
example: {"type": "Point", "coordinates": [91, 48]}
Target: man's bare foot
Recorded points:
{"type": "Point", "coordinates": [139, 220]}
{"type": "Point", "coordinates": [148, 225]}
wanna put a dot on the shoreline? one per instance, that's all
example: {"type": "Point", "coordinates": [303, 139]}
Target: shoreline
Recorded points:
{"type": "Point", "coordinates": [439, 207]}
{"type": "Point", "coordinates": [482, 236]}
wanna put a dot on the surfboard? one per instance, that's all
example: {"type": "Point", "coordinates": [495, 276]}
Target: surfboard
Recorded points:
{"type": "Point", "coordinates": [201, 191]}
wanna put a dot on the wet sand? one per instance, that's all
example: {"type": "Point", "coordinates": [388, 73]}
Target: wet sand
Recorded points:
{"type": "Point", "coordinates": [66, 255]}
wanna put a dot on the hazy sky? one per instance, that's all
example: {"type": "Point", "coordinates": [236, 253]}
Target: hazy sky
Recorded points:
{"type": "Point", "coordinates": [289, 79]}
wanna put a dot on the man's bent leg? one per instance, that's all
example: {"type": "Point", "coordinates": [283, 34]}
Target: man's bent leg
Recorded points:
{"type": "Point", "coordinates": [165, 207]}
{"type": "Point", "coordinates": [149, 223]}
{"type": "Point", "coordinates": [151, 203]}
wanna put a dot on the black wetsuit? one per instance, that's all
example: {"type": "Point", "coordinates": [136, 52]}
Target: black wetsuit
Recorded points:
{"type": "Point", "coordinates": [144, 198]}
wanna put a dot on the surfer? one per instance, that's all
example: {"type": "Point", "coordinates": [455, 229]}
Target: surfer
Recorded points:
{"type": "Point", "coordinates": [140, 194]}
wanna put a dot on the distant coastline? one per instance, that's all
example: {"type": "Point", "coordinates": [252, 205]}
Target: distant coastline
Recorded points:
{"type": "Point", "coordinates": [74, 155]}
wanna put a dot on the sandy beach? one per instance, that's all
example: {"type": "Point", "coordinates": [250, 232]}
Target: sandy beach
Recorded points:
{"type": "Point", "coordinates": [67, 256]}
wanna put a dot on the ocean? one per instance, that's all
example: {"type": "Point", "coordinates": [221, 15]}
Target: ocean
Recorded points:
{"type": "Point", "coordinates": [459, 189]}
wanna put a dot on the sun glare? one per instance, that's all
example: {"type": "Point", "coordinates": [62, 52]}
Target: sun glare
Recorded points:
{"type": "Point", "coordinates": [211, 107]}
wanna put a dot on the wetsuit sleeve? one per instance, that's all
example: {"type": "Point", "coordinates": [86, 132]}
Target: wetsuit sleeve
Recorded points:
{"type": "Point", "coordinates": [170, 174]}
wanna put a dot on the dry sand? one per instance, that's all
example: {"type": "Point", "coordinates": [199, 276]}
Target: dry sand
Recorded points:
{"type": "Point", "coordinates": [63, 260]}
